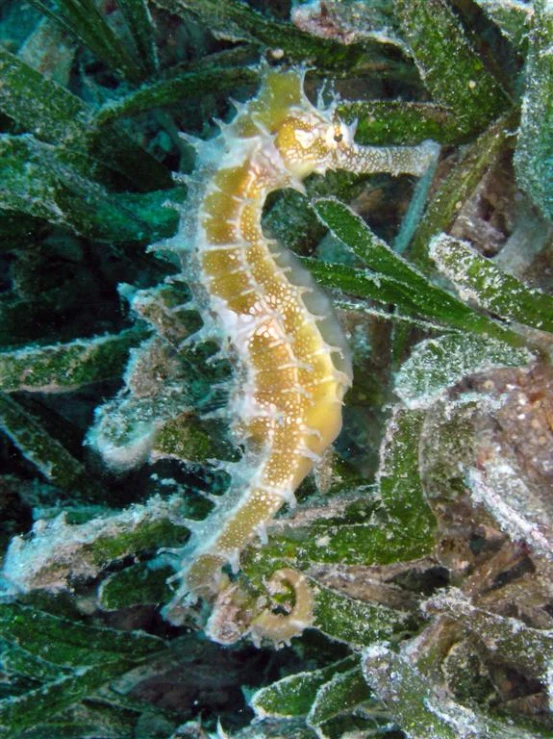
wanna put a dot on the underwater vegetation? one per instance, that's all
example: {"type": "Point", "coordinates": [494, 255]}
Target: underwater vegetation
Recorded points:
{"type": "Point", "coordinates": [409, 592]}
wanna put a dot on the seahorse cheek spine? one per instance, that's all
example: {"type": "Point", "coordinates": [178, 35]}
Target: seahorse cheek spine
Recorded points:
{"type": "Point", "coordinates": [292, 360]}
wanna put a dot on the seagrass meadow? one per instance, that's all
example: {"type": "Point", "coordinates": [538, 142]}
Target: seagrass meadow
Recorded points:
{"type": "Point", "coordinates": [394, 160]}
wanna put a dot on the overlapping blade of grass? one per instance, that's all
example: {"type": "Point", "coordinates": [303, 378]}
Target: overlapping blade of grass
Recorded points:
{"type": "Point", "coordinates": [498, 292]}
{"type": "Point", "coordinates": [511, 17]}
{"type": "Point", "coordinates": [37, 180]}
{"type": "Point", "coordinates": [362, 284]}
{"type": "Point", "coordinates": [82, 19]}
{"type": "Point", "coordinates": [29, 709]}
{"type": "Point", "coordinates": [459, 186]}
{"type": "Point", "coordinates": [87, 657]}
{"type": "Point", "coordinates": [187, 84]}
{"type": "Point", "coordinates": [294, 695]}
{"type": "Point", "coordinates": [58, 367]}
{"type": "Point", "coordinates": [231, 19]}
{"type": "Point", "coordinates": [27, 626]}
{"type": "Point", "coordinates": [54, 115]}
{"type": "Point", "coordinates": [451, 69]}
{"type": "Point", "coordinates": [40, 105]}
{"type": "Point", "coordinates": [415, 292]}
{"type": "Point", "coordinates": [43, 450]}
{"type": "Point", "coordinates": [345, 695]}
{"type": "Point", "coordinates": [140, 24]}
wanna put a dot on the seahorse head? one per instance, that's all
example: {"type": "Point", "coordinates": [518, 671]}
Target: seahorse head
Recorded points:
{"type": "Point", "coordinates": [312, 140]}
{"type": "Point", "coordinates": [308, 138]}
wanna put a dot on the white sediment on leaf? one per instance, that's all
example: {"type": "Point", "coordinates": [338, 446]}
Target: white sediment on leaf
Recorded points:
{"type": "Point", "coordinates": [499, 487]}
{"type": "Point", "coordinates": [57, 551]}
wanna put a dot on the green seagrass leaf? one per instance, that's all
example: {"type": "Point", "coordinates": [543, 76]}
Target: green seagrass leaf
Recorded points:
{"type": "Point", "coordinates": [357, 236]}
{"type": "Point", "coordinates": [341, 695]}
{"type": "Point", "coordinates": [389, 122]}
{"type": "Point", "coordinates": [39, 104]}
{"type": "Point", "coordinates": [54, 115]}
{"type": "Point", "coordinates": [294, 695]}
{"type": "Point", "coordinates": [440, 363]}
{"type": "Point", "coordinates": [88, 719]}
{"type": "Point", "coordinates": [400, 484]}
{"type": "Point", "coordinates": [59, 367]}
{"type": "Point", "coordinates": [413, 290]}
{"type": "Point", "coordinates": [141, 26]}
{"type": "Point", "coordinates": [512, 17]}
{"type": "Point", "coordinates": [234, 20]}
{"type": "Point", "coordinates": [38, 180]}
{"type": "Point", "coordinates": [355, 622]}
{"type": "Point", "coordinates": [18, 661]}
{"type": "Point", "coordinates": [136, 585]}
{"type": "Point", "coordinates": [38, 631]}
{"type": "Point", "coordinates": [27, 710]}
{"type": "Point", "coordinates": [479, 280]}
{"type": "Point", "coordinates": [83, 19]}
{"type": "Point", "coordinates": [362, 284]}
{"type": "Point", "coordinates": [196, 82]}
{"type": "Point", "coordinates": [459, 185]}
{"type": "Point", "coordinates": [42, 449]}
{"type": "Point", "coordinates": [451, 69]}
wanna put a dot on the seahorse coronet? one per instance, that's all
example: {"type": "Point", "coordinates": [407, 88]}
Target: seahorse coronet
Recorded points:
{"type": "Point", "coordinates": [292, 361]}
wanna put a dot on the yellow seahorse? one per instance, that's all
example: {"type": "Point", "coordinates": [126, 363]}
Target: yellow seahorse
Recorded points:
{"type": "Point", "coordinates": [292, 360]}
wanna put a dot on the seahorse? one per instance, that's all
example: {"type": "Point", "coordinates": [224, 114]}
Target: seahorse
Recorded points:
{"type": "Point", "coordinates": [292, 361]}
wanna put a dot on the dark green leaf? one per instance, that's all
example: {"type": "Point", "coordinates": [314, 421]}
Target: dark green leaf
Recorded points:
{"type": "Point", "coordinates": [231, 19]}
{"type": "Point", "coordinates": [17, 714]}
{"type": "Point", "coordinates": [36, 179]}
{"type": "Point", "coordinates": [186, 85]}
{"type": "Point", "coordinates": [459, 186]}
{"type": "Point", "coordinates": [140, 24]}
{"type": "Point", "coordinates": [355, 622]}
{"type": "Point", "coordinates": [341, 694]}
{"type": "Point", "coordinates": [413, 290]}
{"type": "Point", "coordinates": [83, 19]}
{"type": "Point", "coordinates": [56, 116]}
{"type": "Point", "coordinates": [67, 366]}
{"type": "Point", "coordinates": [43, 450]}
{"type": "Point", "coordinates": [385, 122]}
{"type": "Point", "coordinates": [451, 69]}
{"type": "Point", "coordinates": [21, 623]}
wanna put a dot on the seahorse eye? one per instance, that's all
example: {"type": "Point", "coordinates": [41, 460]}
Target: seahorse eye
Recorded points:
{"type": "Point", "coordinates": [338, 137]}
